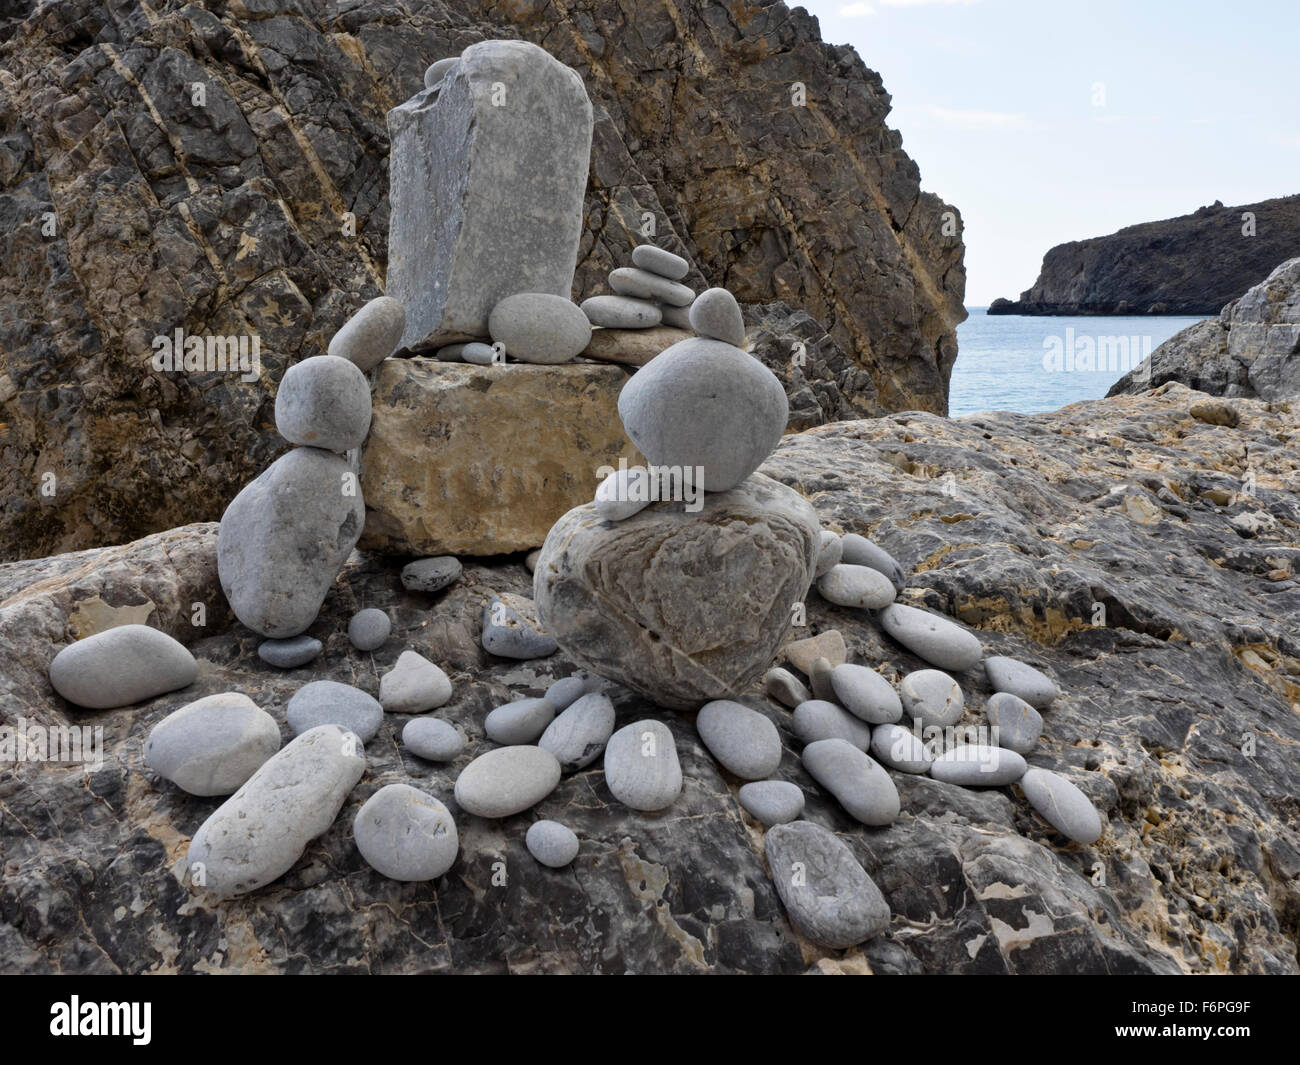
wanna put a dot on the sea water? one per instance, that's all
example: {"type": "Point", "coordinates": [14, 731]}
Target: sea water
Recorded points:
{"type": "Point", "coordinates": [1030, 364]}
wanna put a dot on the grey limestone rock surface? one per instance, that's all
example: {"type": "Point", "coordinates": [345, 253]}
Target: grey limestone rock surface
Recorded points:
{"type": "Point", "coordinates": [486, 180]}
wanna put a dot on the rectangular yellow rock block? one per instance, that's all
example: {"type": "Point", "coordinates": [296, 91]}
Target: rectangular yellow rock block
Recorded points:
{"type": "Point", "coordinates": [482, 460]}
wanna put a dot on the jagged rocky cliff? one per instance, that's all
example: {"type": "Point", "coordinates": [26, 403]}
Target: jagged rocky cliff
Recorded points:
{"type": "Point", "coordinates": [1251, 348]}
{"type": "Point", "coordinates": [221, 168]}
{"type": "Point", "coordinates": [1192, 264]}
{"type": "Point", "coordinates": [1141, 549]}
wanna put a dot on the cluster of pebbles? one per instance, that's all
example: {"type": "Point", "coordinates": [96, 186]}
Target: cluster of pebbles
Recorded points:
{"type": "Point", "coordinates": [646, 294]}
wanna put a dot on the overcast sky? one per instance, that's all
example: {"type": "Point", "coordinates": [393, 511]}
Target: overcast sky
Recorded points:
{"type": "Point", "coordinates": [1048, 120]}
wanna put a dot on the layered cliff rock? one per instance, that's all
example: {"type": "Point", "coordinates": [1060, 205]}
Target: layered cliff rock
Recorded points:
{"type": "Point", "coordinates": [221, 168]}
{"type": "Point", "coordinates": [1252, 348]}
{"type": "Point", "coordinates": [1192, 264]}
{"type": "Point", "coordinates": [1141, 553]}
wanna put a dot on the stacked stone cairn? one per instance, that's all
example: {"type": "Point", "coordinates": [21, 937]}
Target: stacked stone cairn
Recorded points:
{"type": "Point", "coordinates": [679, 581]}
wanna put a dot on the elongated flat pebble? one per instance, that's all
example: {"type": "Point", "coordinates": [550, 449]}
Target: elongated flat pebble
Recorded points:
{"type": "Point", "coordinates": [827, 894]}
{"type": "Point", "coordinates": [120, 666]}
{"type": "Point", "coordinates": [623, 493]}
{"type": "Point", "coordinates": [932, 697]}
{"type": "Point", "coordinates": [431, 574]}
{"type": "Point", "coordinates": [565, 691]}
{"type": "Point", "coordinates": [1014, 677]}
{"type": "Point", "coordinates": [406, 834]}
{"type": "Point", "coordinates": [773, 802]}
{"type": "Point", "coordinates": [432, 738]}
{"type": "Point", "coordinates": [551, 843]}
{"type": "Point", "coordinates": [829, 553]}
{"type": "Point", "coordinates": [1062, 805]}
{"type": "Point", "coordinates": [716, 314]}
{"type": "Point", "coordinates": [511, 629]}
{"type": "Point", "coordinates": [291, 653]}
{"type": "Point", "coordinates": [661, 262]}
{"type": "Point", "coordinates": [941, 642]}
{"type": "Point", "coordinates": [621, 312]}
{"type": "Point", "coordinates": [212, 745]}
{"type": "Point", "coordinates": [978, 766]}
{"type": "Point", "coordinates": [859, 551]}
{"type": "Point", "coordinates": [641, 767]}
{"type": "Point", "coordinates": [785, 687]}
{"type": "Point", "coordinates": [372, 334]}
{"type": "Point", "coordinates": [900, 748]}
{"type": "Point", "coordinates": [677, 317]}
{"type": "Point", "coordinates": [859, 587]}
{"type": "Point", "coordinates": [828, 645]}
{"type": "Point", "coordinates": [743, 740]}
{"type": "Point", "coordinates": [257, 835]}
{"type": "Point", "coordinates": [369, 628]}
{"type": "Point", "coordinates": [1019, 725]}
{"type": "Point", "coordinates": [578, 736]}
{"type": "Point", "coordinates": [413, 685]}
{"type": "Point", "coordinates": [865, 694]}
{"type": "Point", "coordinates": [507, 780]}
{"type": "Point", "coordinates": [641, 284]}
{"type": "Point", "coordinates": [519, 722]}
{"type": "Point", "coordinates": [818, 719]}
{"type": "Point", "coordinates": [859, 784]}
{"type": "Point", "coordinates": [819, 679]}
{"type": "Point", "coordinates": [327, 702]}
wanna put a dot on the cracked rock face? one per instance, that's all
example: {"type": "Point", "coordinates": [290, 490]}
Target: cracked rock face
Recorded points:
{"type": "Point", "coordinates": [264, 213]}
{"type": "Point", "coordinates": [1197, 869]}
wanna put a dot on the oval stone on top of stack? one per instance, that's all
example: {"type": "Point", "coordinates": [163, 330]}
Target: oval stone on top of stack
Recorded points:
{"type": "Point", "coordinates": [743, 740]}
{"type": "Point", "coordinates": [716, 314]}
{"type": "Point", "coordinates": [324, 402]}
{"type": "Point", "coordinates": [856, 586]}
{"type": "Point", "coordinates": [866, 694]}
{"type": "Point", "coordinates": [540, 328]}
{"type": "Point", "coordinates": [1014, 677]}
{"type": "Point", "coordinates": [827, 894]}
{"type": "Point", "coordinates": [940, 642]}
{"type": "Point", "coordinates": [659, 261]}
{"type": "Point", "coordinates": [284, 538]}
{"type": "Point", "coordinates": [373, 333]}
{"type": "Point", "coordinates": [211, 746]}
{"type": "Point", "coordinates": [858, 783]}
{"type": "Point", "coordinates": [643, 285]}
{"type": "Point", "coordinates": [621, 312]}
{"type": "Point", "coordinates": [705, 403]}
{"type": "Point", "coordinates": [120, 666]}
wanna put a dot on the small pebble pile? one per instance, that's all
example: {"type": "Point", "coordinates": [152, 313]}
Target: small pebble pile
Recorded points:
{"type": "Point", "coordinates": [646, 294]}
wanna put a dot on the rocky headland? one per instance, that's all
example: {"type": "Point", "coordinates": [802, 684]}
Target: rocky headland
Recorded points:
{"type": "Point", "coordinates": [1192, 264]}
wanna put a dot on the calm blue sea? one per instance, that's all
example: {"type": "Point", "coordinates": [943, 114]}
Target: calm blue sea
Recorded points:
{"type": "Point", "coordinates": [1031, 364]}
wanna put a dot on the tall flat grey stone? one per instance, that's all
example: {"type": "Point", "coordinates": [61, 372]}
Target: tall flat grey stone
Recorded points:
{"type": "Point", "coordinates": [487, 174]}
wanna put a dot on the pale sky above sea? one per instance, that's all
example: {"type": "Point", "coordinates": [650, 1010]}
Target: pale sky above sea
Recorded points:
{"type": "Point", "coordinates": [998, 103]}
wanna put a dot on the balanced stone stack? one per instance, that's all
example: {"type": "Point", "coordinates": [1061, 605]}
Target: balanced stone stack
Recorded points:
{"type": "Point", "coordinates": [680, 579]}
{"type": "Point", "coordinates": [648, 312]}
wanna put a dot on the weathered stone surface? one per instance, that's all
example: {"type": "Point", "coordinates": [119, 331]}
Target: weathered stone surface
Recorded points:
{"type": "Point", "coordinates": [122, 665]}
{"type": "Point", "coordinates": [682, 607]}
{"type": "Point", "coordinates": [449, 467]}
{"type": "Point", "coordinates": [1156, 700]}
{"type": "Point", "coordinates": [1192, 264]}
{"type": "Point", "coordinates": [1250, 349]}
{"type": "Point", "coordinates": [632, 347]}
{"type": "Point", "coordinates": [828, 895]}
{"type": "Point", "coordinates": [486, 193]}
{"type": "Point", "coordinates": [258, 834]}
{"type": "Point", "coordinates": [284, 538]}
